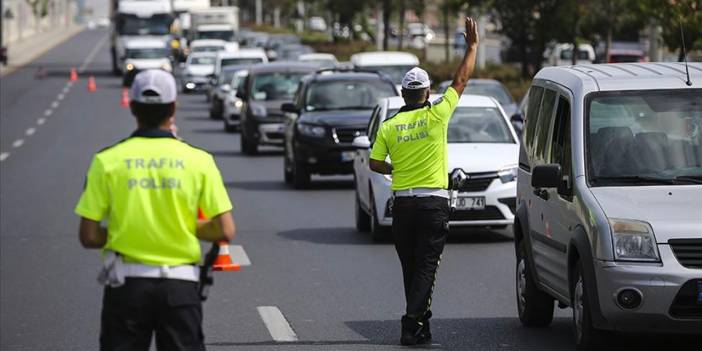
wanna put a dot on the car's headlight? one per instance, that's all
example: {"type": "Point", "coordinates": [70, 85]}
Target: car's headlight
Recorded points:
{"type": "Point", "coordinates": [129, 67]}
{"type": "Point", "coordinates": [508, 174]}
{"type": "Point", "coordinates": [633, 240]}
{"type": "Point", "coordinates": [258, 110]}
{"type": "Point", "coordinates": [311, 130]}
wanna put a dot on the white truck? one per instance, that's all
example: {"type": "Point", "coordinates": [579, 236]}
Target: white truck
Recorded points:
{"type": "Point", "coordinates": [181, 24]}
{"type": "Point", "coordinates": [215, 23]}
{"type": "Point", "coordinates": [138, 18]}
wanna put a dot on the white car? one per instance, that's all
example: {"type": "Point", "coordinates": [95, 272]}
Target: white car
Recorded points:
{"type": "Point", "coordinates": [198, 69]}
{"type": "Point", "coordinates": [240, 57]}
{"type": "Point", "coordinates": [481, 142]}
{"type": "Point", "coordinates": [562, 55]}
{"type": "Point", "coordinates": [394, 64]}
{"type": "Point", "coordinates": [207, 45]}
{"type": "Point", "coordinates": [232, 104]}
{"type": "Point", "coordinates": [322, 59]}
{"type": "Point", "coordinates": [142, 54]}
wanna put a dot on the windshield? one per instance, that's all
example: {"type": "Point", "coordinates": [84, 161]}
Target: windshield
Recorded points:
{"type": "Point", "coordinates": [276, 86]}
{"type": "Point", "coordinates": [478, 125]}
{"type": "Point", "coordinates": [395, 73]}
{"type": "Point", "coordinates": [226, 35]}
{"type": "Point", "coordinates": [202, 61]}
{"type": "Point", "coordinates": [492, 90]}
{"type": "Point", "coordinates": [154, 25]}
{"type": "Point", "coordinates": [241, 61]}
{"type": "Point", "coordinates": [151, 53]}
{"type": "Point", "coordinates": [208, 48]}
{"type": "Point", "coordinates": [225, 77]}
{"type": "Point", "coordinates": [637, 135]}
{"type": "Point", "coordinates": [346, 95]}
{"type": "Point", "coordinates": [568, 55]}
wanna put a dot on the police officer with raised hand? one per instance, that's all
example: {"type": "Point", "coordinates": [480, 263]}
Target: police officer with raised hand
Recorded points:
{"type": "Point", "coordinates": [415, 139]}
{"type": "Point", "coordinates": [148, 188]}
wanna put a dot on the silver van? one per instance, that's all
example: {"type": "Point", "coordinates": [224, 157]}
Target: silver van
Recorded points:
{"type": "Point", "coordinates": [609, 200]}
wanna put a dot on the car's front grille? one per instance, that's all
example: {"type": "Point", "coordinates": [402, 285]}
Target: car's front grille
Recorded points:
{"type": "Point", "coordinates": [687, 251]}
{"type": "Point", "coordinates": [688, 302]}
{"type": "Point", "coordinates": [489, 213]}
{"type": "Point", "coordinates": [346, 135]}
{"type": "Point", "coordinates": [477, 181]}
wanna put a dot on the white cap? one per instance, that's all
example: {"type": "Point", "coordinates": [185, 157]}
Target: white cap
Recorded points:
{"type": "Point", "coordinates": [416, 78]}
{"type": "Point", "coordinates": [153, 86]}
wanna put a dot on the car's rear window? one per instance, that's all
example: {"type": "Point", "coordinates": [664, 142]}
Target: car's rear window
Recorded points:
{"type": "Point", "coordinates": [478, 125]}
{"type": "Point", "coordinates": [347, 95]}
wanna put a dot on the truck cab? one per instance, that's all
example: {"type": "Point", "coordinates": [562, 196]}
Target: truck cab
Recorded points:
{"type": "Point", "coordinates": [144, 19]}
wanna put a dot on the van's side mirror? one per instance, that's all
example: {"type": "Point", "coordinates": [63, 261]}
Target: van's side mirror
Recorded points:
{"type": "Point", "coordinates": [546, 176]}
{"type": "Point", "coordinates": [361, 142]}
{"type": "Point", "coordinates": [289, 107]}
{"type": "Point", "coordinates": [241, 94]}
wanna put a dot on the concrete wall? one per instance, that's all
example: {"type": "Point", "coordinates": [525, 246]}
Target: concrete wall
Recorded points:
{"type": "Point", "coordinates": [24, 23]}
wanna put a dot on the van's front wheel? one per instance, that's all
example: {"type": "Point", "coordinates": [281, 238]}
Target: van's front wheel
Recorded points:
{"type": "Point", "coordinates": [535, 306]}
{"type": "Point", "coordinates": [586, 336]}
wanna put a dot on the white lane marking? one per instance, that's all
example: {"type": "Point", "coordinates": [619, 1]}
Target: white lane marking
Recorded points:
{"type": "Point", "coordinates": [30, 131]}
{"type": "Point", "coordinates": [91, 55]}
{"type": "Point", "coordinates": [277, 325]}
{"type": "Point", "coordinates": [60, 97]}
{"type": "Point", "coordinates": [238, 255]}
{"type": "Point", "coordinates": [4, 156]}
{"type": "Point", "coordinates": [18, 143]}
{"type": "Point", "coordinates": [41, 121]}
{"type": "Point", "coordinates": [66, 89]}
{"type": "Point", "coordinates": [48, 112]}
{"type": "Point", "coordinates": [69, 84]}
{"type": "Point", "coordinates": [54, 104]}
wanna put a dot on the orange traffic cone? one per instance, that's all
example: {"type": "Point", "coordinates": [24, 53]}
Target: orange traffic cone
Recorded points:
{"type": "Point", "coordinates": [224, 261]}
{"type": "Point", "coordinates": [74, 75]}
{"type": "Point", "coordinates": [91, 84]}
{"type": "Point", "coordinates": [125, 98]}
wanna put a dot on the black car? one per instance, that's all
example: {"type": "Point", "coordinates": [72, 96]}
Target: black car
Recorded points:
{"type": "Point", "coordinates": [263, 92]}
{"type": "Point", "coordinates": [331, 108]}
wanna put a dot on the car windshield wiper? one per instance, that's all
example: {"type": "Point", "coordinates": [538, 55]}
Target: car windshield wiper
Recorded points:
{"type": "Point", "coordinates": [637, 180]}
{"type": "Point", "coordinates": [694, 179]}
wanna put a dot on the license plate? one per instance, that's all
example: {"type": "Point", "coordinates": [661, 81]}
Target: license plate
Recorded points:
{"type": "Point", "coordinates": [470, 203]}
{"type": "Point", "coordinates": [347, 155]}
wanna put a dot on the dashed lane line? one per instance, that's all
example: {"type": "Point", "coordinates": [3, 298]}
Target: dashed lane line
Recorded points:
{"type": "Point", "coordinates": [4, 156]}
{"type": "Point", "coordinates": [238, 255]}
{"type": "Point", "coordinates": [17, 143]}
{"type": "Point", "coordinates": [55, 104]}
{"type": "Point", "coordinates": [30, 131]}
{"type": "Point", "coordinates": [277, 325]}
{"type": "Point", "coordinates": [91, 55]}
{"type": "Point", "coordinates": [48, 112]}
{"type": "Point", "coordinates": [66, 89]}
{"type": "Point", "coordinates": [60, 97]}
{"type": "Point", "coordinates": [41, 121]}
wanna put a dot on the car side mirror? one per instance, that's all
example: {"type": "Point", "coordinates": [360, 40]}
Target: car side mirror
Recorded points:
{"type": "Point", "coordinates": [289, 107]}
{"type": "Point", "coordinates": [241, 95]}
{"type": "Point", "coordinates": [546, 176]}
{"type": "Point", "coordinates": [517, 122]}
{"type": "Point", "coordinates": [361, 142]}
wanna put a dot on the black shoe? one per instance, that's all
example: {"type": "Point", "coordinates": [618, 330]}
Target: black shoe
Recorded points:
{"type": "Point", "coordinates": [414, 332]}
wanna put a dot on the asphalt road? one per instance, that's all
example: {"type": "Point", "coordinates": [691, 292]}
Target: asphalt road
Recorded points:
{"type": "Point", "coordinates": [335, 288]}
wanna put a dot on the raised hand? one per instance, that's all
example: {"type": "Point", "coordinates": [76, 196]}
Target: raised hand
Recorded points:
{"type": "Point", "coordinates": [471, 34]}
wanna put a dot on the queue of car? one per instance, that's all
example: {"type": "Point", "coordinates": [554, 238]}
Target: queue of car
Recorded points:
{"type": "Point", "coordinates": [597, 170]}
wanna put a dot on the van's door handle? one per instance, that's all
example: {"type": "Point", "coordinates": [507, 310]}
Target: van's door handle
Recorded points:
{"type": "Point", "coordinates": [542, 193]}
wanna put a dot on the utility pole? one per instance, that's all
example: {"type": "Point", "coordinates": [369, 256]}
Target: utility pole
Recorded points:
{"type": "Point", "coordinates": [379, 28]}
{"type": "Point", "coordinates": [259, 12]}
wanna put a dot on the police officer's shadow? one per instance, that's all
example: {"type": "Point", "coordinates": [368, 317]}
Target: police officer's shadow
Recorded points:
{"type": "Point", "coordinates": [508, 334]}
{"type": "Point", "coordinates": [351, 236]}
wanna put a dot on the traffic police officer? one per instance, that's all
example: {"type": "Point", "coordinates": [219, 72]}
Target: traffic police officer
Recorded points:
{"type": "Point", "coordinates": [416, 141]}
{"type": "Point", "coordinates": [149, 188]}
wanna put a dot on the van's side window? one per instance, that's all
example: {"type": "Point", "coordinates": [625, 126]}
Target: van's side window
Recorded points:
{"type": "Point", "coordinates": [535, 94]}
{"type": "Point", "coordinates": [560, 142]}
{"type": "Point", "coordinates": [541, 149]}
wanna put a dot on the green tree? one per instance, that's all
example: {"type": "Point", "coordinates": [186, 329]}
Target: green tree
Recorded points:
{"type": "Point", "coordinates": [671, 15]}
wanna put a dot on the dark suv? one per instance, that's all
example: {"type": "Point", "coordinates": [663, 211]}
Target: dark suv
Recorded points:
{"type": "Point", "coordinates": [331, 108]}
{"type": "Point", "coordinates": [263, 92]}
